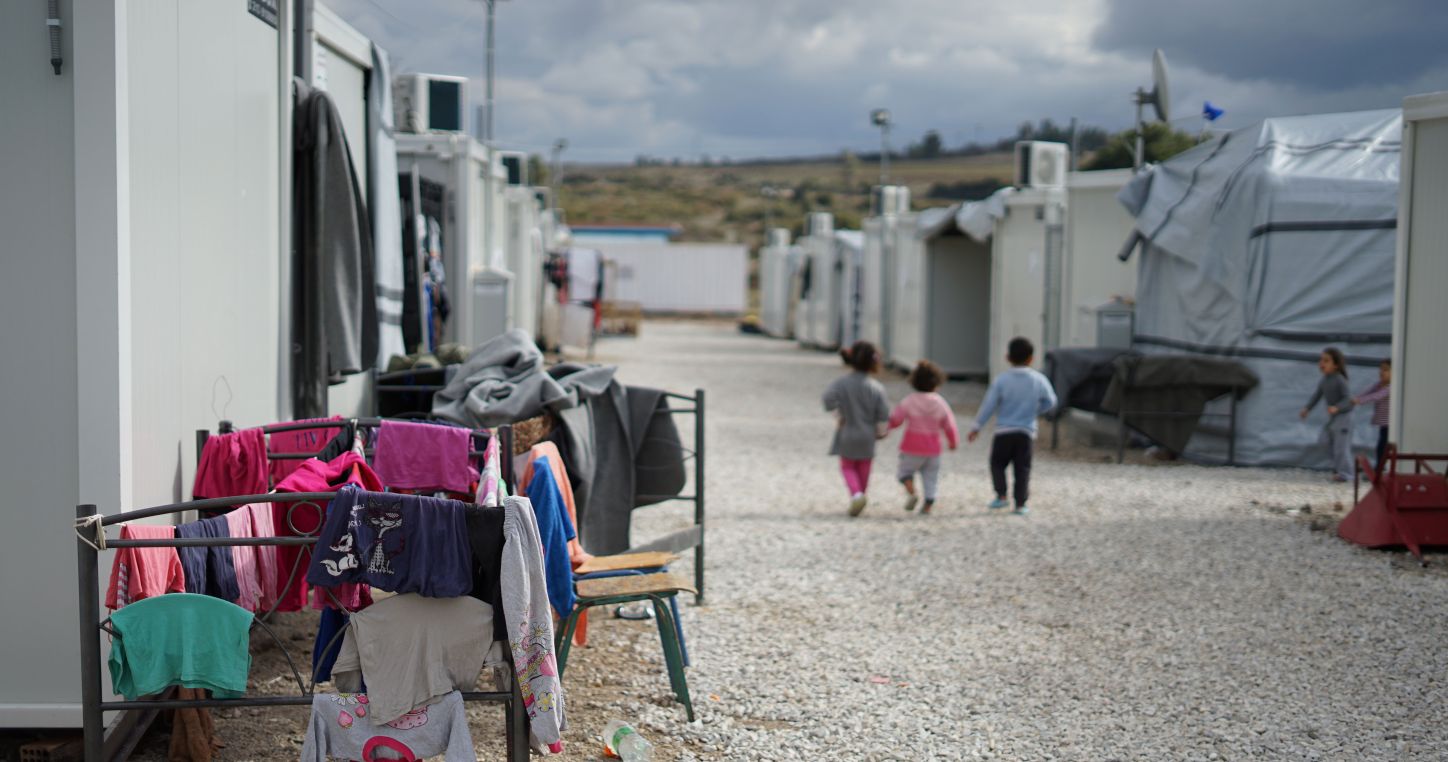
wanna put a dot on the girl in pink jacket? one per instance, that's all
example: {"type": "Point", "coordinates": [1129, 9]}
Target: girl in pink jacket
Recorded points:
{"type": "Point", "coordinates": [926, 416]}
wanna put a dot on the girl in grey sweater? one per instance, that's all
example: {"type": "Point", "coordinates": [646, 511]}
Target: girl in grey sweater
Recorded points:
{"type": "Point", "coordinates": [1332, 389]}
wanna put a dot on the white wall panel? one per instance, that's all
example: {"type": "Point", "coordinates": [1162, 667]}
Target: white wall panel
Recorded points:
{"type": "Point", "coordinates": [205, 193]}
{"type": "Point", "coordinates": [1420, 343]}
{"type": "Point", "coordinates": [1096, 227]}
{"type": "Point", "coordinates": [39, 674]}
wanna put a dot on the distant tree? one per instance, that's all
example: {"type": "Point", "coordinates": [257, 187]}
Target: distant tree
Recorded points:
{"type": "Point", "coordinates": [929, 147]}
{"type": "Point", "coordinates": [1162, 143]}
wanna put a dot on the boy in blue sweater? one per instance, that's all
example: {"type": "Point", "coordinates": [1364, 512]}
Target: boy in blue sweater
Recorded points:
{"type": "Point", "coordinates": [1016, 398]}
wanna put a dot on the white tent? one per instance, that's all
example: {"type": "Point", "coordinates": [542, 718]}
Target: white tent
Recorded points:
{"type": "Point", "coordinates": [1265, 245]}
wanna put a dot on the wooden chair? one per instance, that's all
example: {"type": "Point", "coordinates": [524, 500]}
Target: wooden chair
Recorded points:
{"type": "Point", "coordinates": [659, 589]}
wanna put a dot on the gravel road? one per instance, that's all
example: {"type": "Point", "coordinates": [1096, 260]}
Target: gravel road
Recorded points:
{"type": "Point", "coordinates": [1140, 612]}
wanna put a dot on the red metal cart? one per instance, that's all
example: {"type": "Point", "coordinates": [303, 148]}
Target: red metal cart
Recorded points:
{"type": "Point", "coordinates": [1404, 507]}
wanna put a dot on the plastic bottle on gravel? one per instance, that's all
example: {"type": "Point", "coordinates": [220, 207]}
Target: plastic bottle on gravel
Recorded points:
{"type": "Point", "coordinates": [622, 741]}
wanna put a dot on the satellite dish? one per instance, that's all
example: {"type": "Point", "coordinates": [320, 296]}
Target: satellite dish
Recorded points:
{"type": "Point", "coordinates": [1160, 101]}
{"type": "Point", "coordinates": [1160, 98]}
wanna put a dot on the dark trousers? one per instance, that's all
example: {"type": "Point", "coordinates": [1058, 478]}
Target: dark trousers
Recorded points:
{"type": "Point", "coordinates": [1382, 448]}
{"type": "Point", "coordinates": [1014, 449]}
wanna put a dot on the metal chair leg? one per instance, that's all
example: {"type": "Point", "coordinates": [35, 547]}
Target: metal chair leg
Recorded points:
{"type": "Point", "coordinates": [565, 637]}
{"type": "Point", "coordinates": [679, 626]}
{"type": "Point", "coordinates": [672, 656]}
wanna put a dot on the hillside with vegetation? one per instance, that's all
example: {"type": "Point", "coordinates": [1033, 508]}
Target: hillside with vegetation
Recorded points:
{"type": "Point", "coordinates": [736, 201]}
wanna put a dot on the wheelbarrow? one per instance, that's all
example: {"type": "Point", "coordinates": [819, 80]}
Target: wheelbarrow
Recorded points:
{"type": "Point", "coordinates": [1404, 508]}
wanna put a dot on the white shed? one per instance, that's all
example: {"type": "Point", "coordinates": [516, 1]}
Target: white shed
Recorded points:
{"type": "Point", "coordinates": [701, 278]}
{"type": "Point", "coordinates": [1092, 272]}
{"type": "Point", "coordinates": [1419, 421]}
{"type": "Point", "coordinates": [525, 251]}
{"type": "Point", "coordinates": [878, 268]}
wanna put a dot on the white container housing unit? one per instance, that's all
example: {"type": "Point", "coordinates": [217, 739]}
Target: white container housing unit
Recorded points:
{"type": "Point", "coordinates": [459, 167]}
{"type": "Point", "coordinates": [1026, 267]}
{"type": "Point", "coordinates": [850, 250]}
{"type": "Point", "coordinates": [940, 296]}
{"type": "Point", "coordinates": [1093, 274]}
{"type": "Point", "coordinates": [692, 278]}
{"type": "Point", "coordinates": [778, 266]}
{"type": "Point", "coordinates": [1419, 422]}
{"type": "Point", "coordinates": [878, 264]}
{"type": "Point", "coordinates": [146, 255]}
{"type": "Point", "coordinates": [817, 321]}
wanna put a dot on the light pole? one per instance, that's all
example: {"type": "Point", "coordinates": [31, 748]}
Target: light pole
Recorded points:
{"type": "Point", "coordinates": [881, 118]}
{"type": "Point", "coordinates": [769, 192]}
{"type": "Point", "coordinates": [488, 117]}
{"type": "Point", "coordinates": [555, 174]}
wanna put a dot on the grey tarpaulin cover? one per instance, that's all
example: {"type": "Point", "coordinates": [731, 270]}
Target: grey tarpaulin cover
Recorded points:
{"type": "Point", "coordinates": [1080, 376]}
{"type": "Point", "coordinates": [1171, 384]}
{"type": "Point", "coordinates": [1265, 245]}
{"type": "Point", "coordinates": [503, 381]}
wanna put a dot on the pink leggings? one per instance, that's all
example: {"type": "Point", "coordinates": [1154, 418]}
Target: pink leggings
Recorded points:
{"type": "Point", "coordinates": [857, 474]}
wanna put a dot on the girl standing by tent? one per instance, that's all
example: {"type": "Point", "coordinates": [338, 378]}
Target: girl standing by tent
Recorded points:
{"type": "Point", "coordinates": [861, 409]}
{"type": "Point", "coordinates": [1332, 389]}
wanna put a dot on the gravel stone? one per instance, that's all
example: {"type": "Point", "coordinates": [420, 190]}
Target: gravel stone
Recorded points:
{"type": "Point", "coordinates": [1142, 611]}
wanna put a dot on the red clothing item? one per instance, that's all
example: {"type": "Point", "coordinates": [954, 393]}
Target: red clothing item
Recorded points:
{"type": "Point", "coordinates": [315, 476]}
{"type": "Point", "coordinates": [926, 416]}
{"type": "Point", "coordinates": [138, 573]}
{"type": "Point", "coordinates": [306, 441]}
{"type": "Point", "coordinates": [232, 464]}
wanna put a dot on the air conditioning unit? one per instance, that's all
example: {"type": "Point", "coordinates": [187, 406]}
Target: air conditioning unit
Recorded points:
{"type": "Point", "coordinates": [429, 102]}
{"type": "Point", "coordinates": [1041, 165]}
{"type": "Point", "coordinates": [819, 223]}
{"type": "Point", "coordinates": [889, 199]}
{"type": "Point", "coordinates": [516, 164]}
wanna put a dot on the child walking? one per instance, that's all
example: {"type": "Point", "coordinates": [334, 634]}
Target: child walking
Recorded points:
{"type": "Point", "coordinates": [1016, 398]}
{"type": "Point", "coordinates": [1380, 394]}
{"type": "Point", "coordinates": [861, 409]}
{"type": "Point", "coordinates": [1332, 389]}
{"type": "Point", "coordinates": [926, 416]}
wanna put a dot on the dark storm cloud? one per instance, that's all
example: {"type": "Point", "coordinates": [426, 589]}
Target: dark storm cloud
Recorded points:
{"type": "Point", "coordinates": [1312, 44]}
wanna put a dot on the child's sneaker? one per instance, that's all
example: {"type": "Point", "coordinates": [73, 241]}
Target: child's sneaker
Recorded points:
{"type": "Point", "coordinates": [1021, 510]}
{"type": "Point", "coordinates": [910, 503]}
{"type": "Point", "coordinates": [999, 502]}
{"type": "Point", "coordinates": [857, 504]}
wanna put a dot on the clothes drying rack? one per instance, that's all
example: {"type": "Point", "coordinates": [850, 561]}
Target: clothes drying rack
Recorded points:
{"type": "Point", "coordinates": [91, 539]}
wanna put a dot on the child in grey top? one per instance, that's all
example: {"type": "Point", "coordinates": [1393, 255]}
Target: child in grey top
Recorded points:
{"type": "Point", "coordinates": [1332, 389]}
{"type": "Point", "coordinates": [862, 412]}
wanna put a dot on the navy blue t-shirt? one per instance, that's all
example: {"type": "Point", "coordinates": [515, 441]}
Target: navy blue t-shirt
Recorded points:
{"type": "Point", "coordinates": [399, 543]}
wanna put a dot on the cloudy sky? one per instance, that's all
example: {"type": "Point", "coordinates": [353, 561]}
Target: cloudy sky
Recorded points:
{"type": "Point", "coordinates": [743, 78]}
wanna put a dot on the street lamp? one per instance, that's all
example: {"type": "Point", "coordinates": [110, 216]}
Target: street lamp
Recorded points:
{"type": "Point", "coordinates": [555, 175]}
{"type": "Point", "coordinates": [769, 192]}
{"type": "Point", "coordinates": [488, 118]}
{"type": "Point", "coordinates": [881, 118]}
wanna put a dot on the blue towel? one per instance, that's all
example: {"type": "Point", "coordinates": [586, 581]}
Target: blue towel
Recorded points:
{"type": "Point", "coordinates": [555, 529]}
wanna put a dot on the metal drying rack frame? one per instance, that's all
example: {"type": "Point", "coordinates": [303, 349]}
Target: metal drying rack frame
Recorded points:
{"type": "Point", "coordinates": [90, 530]}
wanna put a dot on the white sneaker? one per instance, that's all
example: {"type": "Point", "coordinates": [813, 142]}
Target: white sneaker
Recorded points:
{"type": "Point", "coordinates": [857, 504]}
